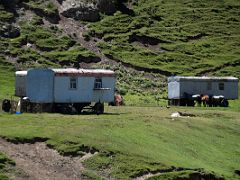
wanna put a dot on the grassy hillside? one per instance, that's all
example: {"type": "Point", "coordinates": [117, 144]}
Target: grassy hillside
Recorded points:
{"type": "Point", "coordinates": [132, 141]}
{"type": "Point", "coordinates": [158, 38]}
{"type": "Point", "coordinates": [175, 37]}
{"type": "Point", "coordinates": [7, 79]}
{"type": "Point", "coordinates": [38, 44]}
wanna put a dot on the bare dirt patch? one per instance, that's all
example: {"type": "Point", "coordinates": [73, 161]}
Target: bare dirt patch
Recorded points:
{"type": "Point", "coordinates": [37, 161]}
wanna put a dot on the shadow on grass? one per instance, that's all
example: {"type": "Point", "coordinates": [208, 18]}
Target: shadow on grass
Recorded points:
{"type": "Point", "coordinates": [93, 113]}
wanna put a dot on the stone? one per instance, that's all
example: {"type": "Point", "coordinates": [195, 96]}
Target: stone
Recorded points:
{"type": "Point", "coordinates": [10, 31]}
{"type": "Point", "coordinates": [87, 11]}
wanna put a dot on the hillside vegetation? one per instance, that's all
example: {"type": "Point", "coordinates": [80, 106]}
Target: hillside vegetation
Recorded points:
{"type": "Point", "coordinates": [175, 37]}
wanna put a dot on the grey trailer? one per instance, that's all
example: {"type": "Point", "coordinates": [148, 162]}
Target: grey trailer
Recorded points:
{"type": "Point", "coordinates": [182, 88]}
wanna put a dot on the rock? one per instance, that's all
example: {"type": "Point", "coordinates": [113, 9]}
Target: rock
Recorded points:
{"type": "Point", "coordinates": [9, 31]}
{"type": "Point", "coordinates": [87, 11]}
{"type": "Point", "coordinates": [237, 172]}
{"type": "Point", "coordinates": [107, 6]}
{"type": "Point", "coordinates": [80, 11]}
{"type": "Point", "coordinates": [29, 45]}
{"type": "Point", "coordinates": [10, 3]}
{"type": "Point", "coordinates": [90, 59]}
{"type": "Point", "coordinates": [175, 115]}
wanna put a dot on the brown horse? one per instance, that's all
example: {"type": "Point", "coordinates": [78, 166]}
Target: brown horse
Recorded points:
{"type": "Point", "coordinates": [205, 100]}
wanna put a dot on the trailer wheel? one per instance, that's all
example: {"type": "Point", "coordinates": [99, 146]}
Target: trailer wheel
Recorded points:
{"type": "Point", "coordinates": [99, 108]}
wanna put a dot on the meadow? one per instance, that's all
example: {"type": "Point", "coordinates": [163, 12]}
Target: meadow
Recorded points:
{"type": "Point", "coordinates": [134, 140]}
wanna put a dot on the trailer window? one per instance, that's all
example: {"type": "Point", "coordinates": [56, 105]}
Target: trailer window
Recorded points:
{"type": "Point", "coordinates": [73, 83]}
{"type": "Point", "coordinates": [98, 83]}
{"type": "Point", "coordinates": [221, 86]}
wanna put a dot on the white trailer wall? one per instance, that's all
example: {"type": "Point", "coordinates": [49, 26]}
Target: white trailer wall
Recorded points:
{"type": "Point", "coordinates": [107, 93]}
{"type": "Point", "coordinates": [85, 90]}
{"type": "Point", "coordinates": [20, 83]}
{"type": "Point", "coordinates": [173, 90]}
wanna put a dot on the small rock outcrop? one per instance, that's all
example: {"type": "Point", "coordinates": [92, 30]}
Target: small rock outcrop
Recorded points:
{"type": "Point", "coordinates": [9, 31]}
{"type": "Point", "coordinates": [87, 11]}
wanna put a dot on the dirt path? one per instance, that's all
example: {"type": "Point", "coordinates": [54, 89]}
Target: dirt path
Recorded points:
{"type": "Point", "coordinates": [39, 162]}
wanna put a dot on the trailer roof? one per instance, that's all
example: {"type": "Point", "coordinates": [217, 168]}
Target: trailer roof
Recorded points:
{"type": "Point", "coordinates": [21, 73]}
{"type": "Point", "coordinates": [76, 72]}
{"type": "Point", "coordinates": [83, 72]}
{"type": "Point", "coordinates": [195, 78]}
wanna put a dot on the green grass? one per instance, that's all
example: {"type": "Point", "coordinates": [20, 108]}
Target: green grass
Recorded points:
{"type": "Point", "coordinates": [4, 163]}
{"type": "Point", "coordinates": [5, 16]}
{"type": "Point", "coordinates": [176, 175]}
{"type": "Point", "coordinates": [91, 176]}
{"type": "Point", "coordinates": [132, 140]}
{"type": "Point", "coordinates": [7, 79]}
{"type": "Point", "coordinates": [76, 54]}
{"type": "Point", "coordinates": [48, 8]}
{"type": "Point", "coordinates": [193, 36]}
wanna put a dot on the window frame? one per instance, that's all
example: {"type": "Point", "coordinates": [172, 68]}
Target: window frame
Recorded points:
{"type": "Point", "coordinates": [98, 83]}
{"type": "Point", "coordinates": [71, 83]}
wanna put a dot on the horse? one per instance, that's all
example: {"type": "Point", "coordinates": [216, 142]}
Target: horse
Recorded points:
{"type": "Point", "coordinates": [197, 98]}
{"type": "Point", "coordinates": [220, 101]}
{"type": "Point", "coordinates": [205, 100]}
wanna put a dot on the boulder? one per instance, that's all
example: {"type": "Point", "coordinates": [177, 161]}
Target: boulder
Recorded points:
{"type": "Point", "coordinates": [107, 6]}
{"type": "Point", "coordinates": [9, 31]}
{"type": "Point", "coordinates": [87, 11]}
{"type": "Point", "coordinates": [80, 11]}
